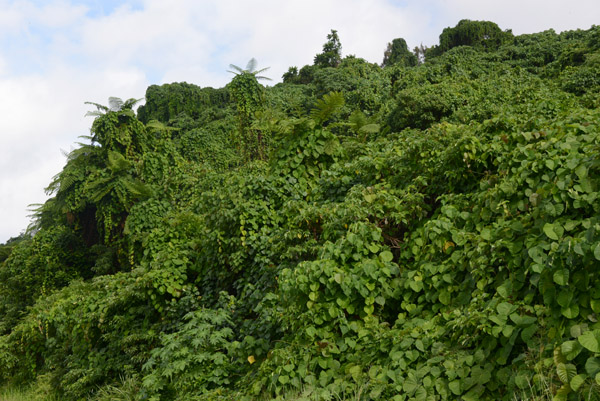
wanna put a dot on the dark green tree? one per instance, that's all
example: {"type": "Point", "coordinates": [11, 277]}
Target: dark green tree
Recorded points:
{"type": "Point", "coordinates": [332, 52]}
{"type": "Point", "coordinates": [483, 35]}
{"type": "Point", "coordinates": [397, 53]}
{"type": "Point", "coordinates": [291, 76]}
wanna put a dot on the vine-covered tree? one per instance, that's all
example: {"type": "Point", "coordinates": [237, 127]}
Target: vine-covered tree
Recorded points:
{"type": "Point", "coordinates": [397, 53]}
{"type": "Point", "coordinates": [484, 35]}
{"type": "Point", "coordinates": [248, 95]}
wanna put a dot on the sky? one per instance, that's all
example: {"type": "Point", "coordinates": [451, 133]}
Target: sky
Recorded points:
{"type": "Point", "coordinates": [57, 54]}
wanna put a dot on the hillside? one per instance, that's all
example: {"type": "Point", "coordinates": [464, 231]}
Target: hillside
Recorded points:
{"type": "Point", "coordinates": [427, 229]}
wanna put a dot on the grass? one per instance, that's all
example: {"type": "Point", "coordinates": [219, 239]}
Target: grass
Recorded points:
{"type": "Point", "coordinates": [23, 394]}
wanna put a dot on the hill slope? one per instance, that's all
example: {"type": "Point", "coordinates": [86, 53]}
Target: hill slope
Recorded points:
{"type": "Point", "coordinates": [423, 232]}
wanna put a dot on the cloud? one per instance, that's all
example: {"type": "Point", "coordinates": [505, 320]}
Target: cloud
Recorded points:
{"type": "Point", "coordinates": [527, 16]}
{"type": "Point", "coordinates": [55, 55]}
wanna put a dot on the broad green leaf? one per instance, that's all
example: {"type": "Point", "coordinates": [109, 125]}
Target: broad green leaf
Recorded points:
{"type": "Point", "coordinates": [386, 256]}
{"type": "Point", "coordinates": [565, 297]}
{"type": "Point", "coordinates": [561, 277]}
{"type": "Point", "coordinates": [570, 312]}
{"type": "Point", "coordinates": [566, 372]}
{"type": "Point", "coordinates": [581, 171]}
{"type": "Point", "coordinates": [410, 384]}
{"type": "Point", "coordinates": [589, 340]}
{"type": "Point", "coordinates": [577, 381]}
{"type": "Point", "coordinates": [355, 372]}
{"type": "Point", "coordinates": [570, 349]}
{"type": "Point", "coordinates": [421, 394]}
{"type": "Point", "coordinates": [486, 234]}
{"type": "Point", "coordinates": [597, 251]}
{"type": "Point", "coordinates": [550, 231]}
{"type": "Point", "coordinates": [505, 309]}
{"type": "Point", "coordinates": [522, 321]}
{"type": "Point", "coordinates": [595, 305]}
{"type": "Point", "coordinates": [592, 366]}
{"type": "Point", "coordinates": [455, 387]}
{"type": "Point", "coordinates": [522, 381]}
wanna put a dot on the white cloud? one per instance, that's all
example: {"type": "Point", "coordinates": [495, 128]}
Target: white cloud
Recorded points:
{"type": "Point", "coordinates": [56, 55]}
{"type": "Point", "coordinates": [527, 16]}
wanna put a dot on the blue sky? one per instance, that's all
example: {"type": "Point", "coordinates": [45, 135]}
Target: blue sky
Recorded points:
{"type": "Point", "coordinates": [57, 54]}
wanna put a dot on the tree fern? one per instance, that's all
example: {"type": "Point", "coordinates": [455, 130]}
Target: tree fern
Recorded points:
{"type": "Point", "coordinates": [250, 69]}
{"type": "Point", "coordinates": [326, 107]}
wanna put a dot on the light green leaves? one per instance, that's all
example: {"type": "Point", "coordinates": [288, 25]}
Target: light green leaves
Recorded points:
{"type": "Point", "coordinates": [597, 251]}
{"type": "Point", "coordinates": [566, 372]}
{"type": "Point", "coordinates": [561, 277]}
{"type": "Point", "coordinates": [553, 230]}
{"type": "Point", "coordinates": [386, 256]}
{"type": "Point", "coordinates": [590, 340]}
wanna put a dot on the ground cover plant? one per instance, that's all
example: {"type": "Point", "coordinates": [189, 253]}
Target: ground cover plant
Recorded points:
{"type": "Point", "coordinates": [427, 229]}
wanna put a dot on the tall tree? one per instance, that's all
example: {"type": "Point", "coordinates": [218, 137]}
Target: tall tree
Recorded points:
{"type": "Point", "coordinates": [332, 52]}
{"type": "Point", "coordinates": [397, 52]}
{"type": "Point", "coordinates": [484, 35]}
{"type": "Point", "coordinates": [248, 95]}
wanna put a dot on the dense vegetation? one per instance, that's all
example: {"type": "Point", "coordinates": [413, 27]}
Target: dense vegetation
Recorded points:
{"type": "Point", "coordinates": [422, 230]}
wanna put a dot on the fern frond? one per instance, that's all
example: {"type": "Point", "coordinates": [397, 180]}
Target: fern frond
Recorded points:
{"type": "Point", "coordinates": [159, 126]}
{"type": "Point", "coordinates": [99, 106]}
{"type": "Point", "coordinates": [117, 162]}
{"type": "Point", "coordinates": [251, 66]}
{"type": "Point", "coordinates": [237, 69]}
{"type": "Point", "coordinates": [250, 69]}
{"type": "Point", "coordinates": [138, 189]}
{"type": "Point", "coordinates": [130, 103]}
{"type": "Point", "coordinates": [115, 103]}
{"type": "Point", "coordinates": [357, 119]}
{"type": "Point", "coordinates": [96, 113]}
{"type": "Point", "coordinates": [326, 107]}
{"type": "Point", "coordinates": [99, 189]}
{"type": "Point", "coordinates": [369, 129]}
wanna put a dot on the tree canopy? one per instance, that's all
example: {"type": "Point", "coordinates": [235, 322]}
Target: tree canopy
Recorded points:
{"type": "Point", "coordinates": [332, 51]}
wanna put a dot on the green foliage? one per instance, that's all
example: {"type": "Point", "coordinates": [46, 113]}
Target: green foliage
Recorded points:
{"type": "Point", "coordinates": [170, 101]}
{"type": "Point", "coordinates": [332, 51]}
{"type": "Point", "coordinates": [397, 53]}
{"type": "Point", "coordinates": [196, 357]}
{"type": "Point", "coordinates": [356, 232]}
{"type": "Point", "coordinates": [249, 98]}
{"type": "Point", "coordinates": [484, 35]}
